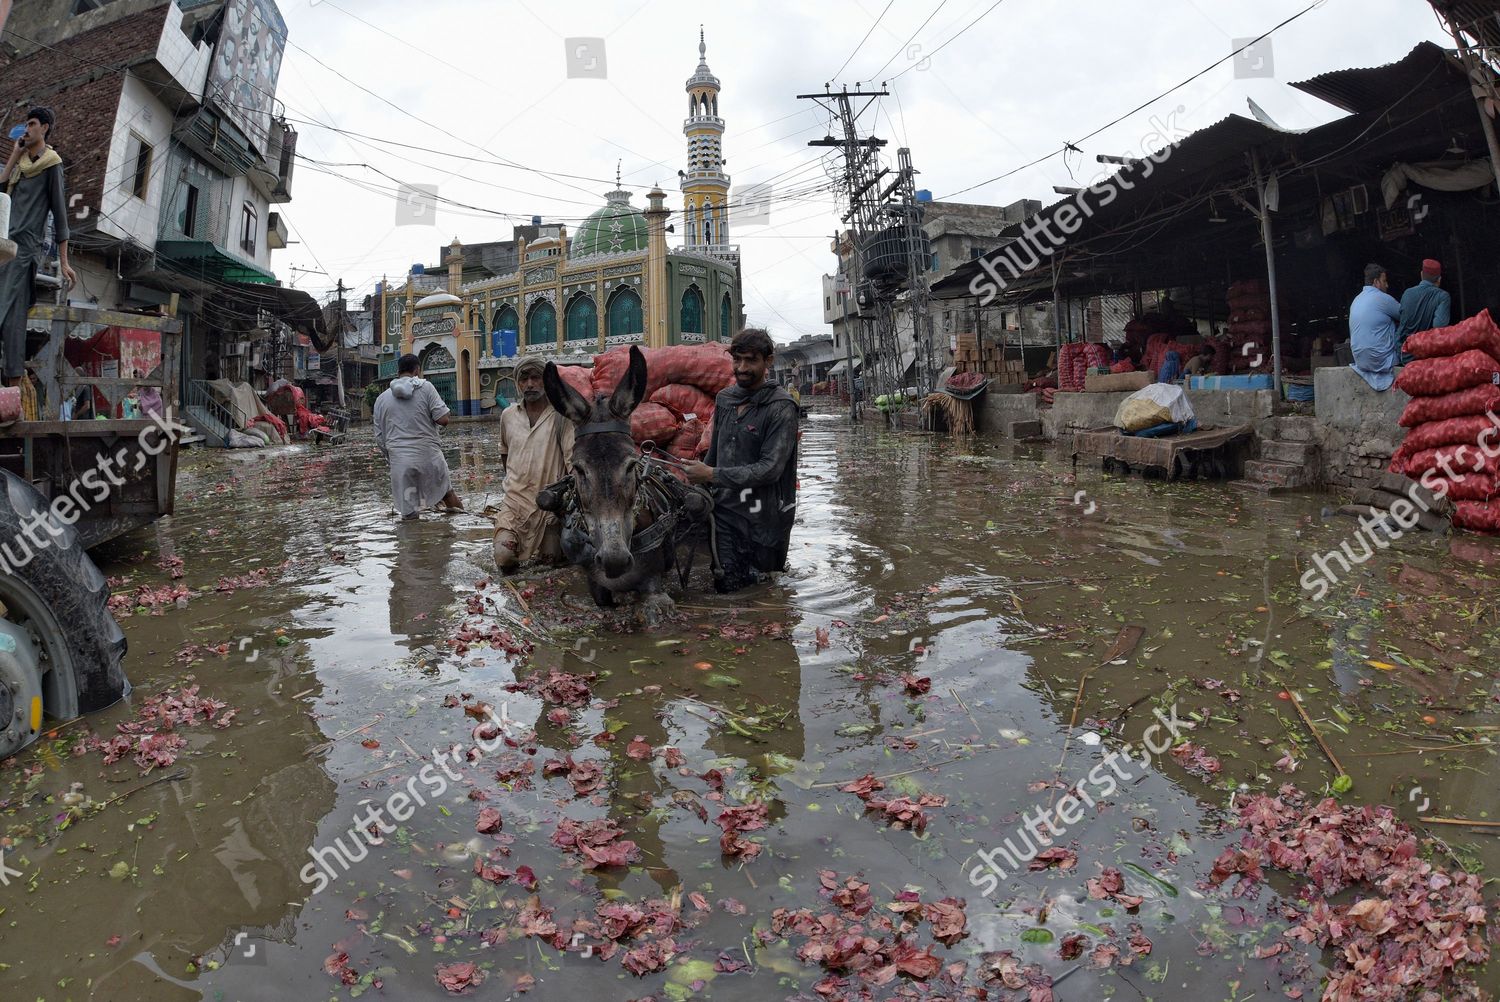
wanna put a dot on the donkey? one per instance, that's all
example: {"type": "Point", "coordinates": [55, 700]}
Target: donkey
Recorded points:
{"type": "Point", "coordinates": [611, 506]}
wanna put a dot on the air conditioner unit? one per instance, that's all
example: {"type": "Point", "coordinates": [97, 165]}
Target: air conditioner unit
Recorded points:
{"type": "Point", "coordinates": [230, 348]}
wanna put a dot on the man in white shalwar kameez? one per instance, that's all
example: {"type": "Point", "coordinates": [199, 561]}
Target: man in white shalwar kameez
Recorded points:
{"type": "Point", "coordinates": [536, 446]}
{"type": "Point", "coordinates": [407, 418]}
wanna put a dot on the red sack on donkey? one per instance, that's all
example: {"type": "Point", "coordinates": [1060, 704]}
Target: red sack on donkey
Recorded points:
{"type": "Point", "coordinates": [705, 366]}
{"type": "Point", "coordinates": [653, 423]}
{"type": "Point", "coordinates": [685, 443]}
{"type": "Point", "coordinates": [579, 378]}
{"type": "Point", "coordinates": [685, 400]}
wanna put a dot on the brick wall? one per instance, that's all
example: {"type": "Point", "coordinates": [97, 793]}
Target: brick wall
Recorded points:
{"type": "Point", "coordinates": [81, 79]}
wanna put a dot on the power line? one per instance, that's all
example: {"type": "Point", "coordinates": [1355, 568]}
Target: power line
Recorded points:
{"type": "Point", "coordinates": [1212, 66]}
{"type": "Point", "coordinates": [905, 46]}
{"type": "Point", "coordinates": [862, 41]}
{"type": "Point", "coordinates": [950, 41]}
{"type": "Point", "coordinates": [1208, 69]}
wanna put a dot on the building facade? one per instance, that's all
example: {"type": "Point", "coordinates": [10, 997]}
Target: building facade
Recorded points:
{"type": "Point", "coordinates": [613, 282]}
{"type": "Point", "coordinates": [957, 232]}
{"type": "Point", "coordinates": [174, 159]}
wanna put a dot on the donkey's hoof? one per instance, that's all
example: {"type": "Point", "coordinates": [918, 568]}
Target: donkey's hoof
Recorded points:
{"type": "Point", "coordinates": [657, 609]}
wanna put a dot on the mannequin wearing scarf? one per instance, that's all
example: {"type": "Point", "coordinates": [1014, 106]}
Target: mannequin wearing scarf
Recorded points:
{"type": "Point", "coordinates": [34, 179]}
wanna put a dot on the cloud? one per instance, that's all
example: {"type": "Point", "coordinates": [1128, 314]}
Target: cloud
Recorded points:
{"type": "Point", "coordinates": [1018, 84]}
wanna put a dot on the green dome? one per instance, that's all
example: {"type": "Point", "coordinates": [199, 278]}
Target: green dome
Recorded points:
{"type": "Point", "coordinates": [617, 228]}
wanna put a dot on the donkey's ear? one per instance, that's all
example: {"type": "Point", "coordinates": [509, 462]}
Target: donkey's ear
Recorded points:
{"type": "Point", "coordinates": [564, 399]}
{"type": "Point", "coordinates": [632, 389]}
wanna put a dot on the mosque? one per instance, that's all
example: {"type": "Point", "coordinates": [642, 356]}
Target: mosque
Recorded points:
{"type": "Point", "coordinates": [613, 282]}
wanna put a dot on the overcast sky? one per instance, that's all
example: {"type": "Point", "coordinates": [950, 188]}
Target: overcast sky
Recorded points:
{"type": "Point", "coordinates": [490, 81]}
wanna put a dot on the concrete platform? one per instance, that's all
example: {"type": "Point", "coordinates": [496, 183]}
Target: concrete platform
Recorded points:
{"type": "Point", "coordinates": [1357, 426]}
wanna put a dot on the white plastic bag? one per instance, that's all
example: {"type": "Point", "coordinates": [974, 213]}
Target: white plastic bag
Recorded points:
{"type": "Point", "coordinates": [1159, 403]}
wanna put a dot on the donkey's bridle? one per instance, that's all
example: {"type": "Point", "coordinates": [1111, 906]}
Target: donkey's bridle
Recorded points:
{"type": "Point", "coordinates": [612, 427]}
{"type": "Point", "coordinates": [656, 491]}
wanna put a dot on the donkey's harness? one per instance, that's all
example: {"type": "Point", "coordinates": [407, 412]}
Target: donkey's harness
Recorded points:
{"type": "Point", "coordinates": [673, 505]}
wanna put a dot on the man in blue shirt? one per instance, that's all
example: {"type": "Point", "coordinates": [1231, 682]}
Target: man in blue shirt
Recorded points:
{"type": "Point", "coordinates": [1373, 320]}
{"type": "Point", "coordinates": [1425, 306]}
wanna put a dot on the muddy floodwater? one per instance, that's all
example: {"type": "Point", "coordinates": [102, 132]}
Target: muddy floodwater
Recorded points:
{"type": "Point", "coordinates": [944, 602]}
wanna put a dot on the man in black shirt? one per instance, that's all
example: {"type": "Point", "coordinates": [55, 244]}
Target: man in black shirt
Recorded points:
{"type": "Point", "coordinates": [751, 466]}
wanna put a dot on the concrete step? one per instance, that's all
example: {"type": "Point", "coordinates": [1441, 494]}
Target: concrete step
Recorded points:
{"type": "Point", "coordinates": [1025, 429]}
{"type": "Point", "coordinates": [1296, 429]}
{"type": "Point", "coordinates": [1277, 476]}
{"type": "Point", "coordinates": [1280, 451]}
{"type": "Point", "coordinates": [208, 426]}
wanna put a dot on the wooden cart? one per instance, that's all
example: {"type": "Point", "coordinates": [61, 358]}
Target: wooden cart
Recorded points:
{"type": "Point", "coordinates": [51, 454]}
{"type": "Point", "coordinates": [1205, 454]}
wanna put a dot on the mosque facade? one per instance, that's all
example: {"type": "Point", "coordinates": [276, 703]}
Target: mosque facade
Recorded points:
{"type": "Point", "coordinates": [615, 281]}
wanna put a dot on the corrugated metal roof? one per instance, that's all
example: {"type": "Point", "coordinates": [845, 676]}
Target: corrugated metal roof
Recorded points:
{"type": "Point", "coordinates": [1479, 19]}
{"type": "Point", "coordinates": [1219, 152]}
{"type": "Point", "coordinates": [1223, 144]}
{"type": "Point", "coordinates": [1372, 88]}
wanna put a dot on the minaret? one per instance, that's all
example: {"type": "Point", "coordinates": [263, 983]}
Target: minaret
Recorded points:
{"type": "Point", "coordinates": [705, 186]}
{"type": "Point", "coordinates": [455, 267]}
{"type": "Point", "coordinates": [657, 302]}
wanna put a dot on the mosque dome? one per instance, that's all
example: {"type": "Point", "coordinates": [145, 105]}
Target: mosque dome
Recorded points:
{"type": "Point", "coordinates": [617, 228]}
{"type": "Point", "coordinates": [438, 299]}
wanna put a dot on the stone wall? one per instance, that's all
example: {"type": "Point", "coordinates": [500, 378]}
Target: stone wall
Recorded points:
{"type": "Point", "coordinates": [1357, 426]}
{"type": "Point", "coordinates": [995, 413]}
{"type": "Point", "coordinates": [1081, 411]}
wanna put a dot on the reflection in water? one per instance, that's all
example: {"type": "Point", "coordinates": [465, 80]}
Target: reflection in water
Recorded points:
{"type": "Point", "coordinates": [418, 592]}
{"type": "Point", "coordinates": [971, 552]}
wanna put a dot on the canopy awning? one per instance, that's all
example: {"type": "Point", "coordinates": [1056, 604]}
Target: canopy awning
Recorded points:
{"type": "Point", "coordinates": [1177, 218]}
{"type": "Point", "coordinates": [238, 309]}
{"type": "Point", "coordinates": [841, 365]}
{"type": "Point", "coordinates": [204, 260]}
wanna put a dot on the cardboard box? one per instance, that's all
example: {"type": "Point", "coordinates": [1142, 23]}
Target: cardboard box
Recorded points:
{"type": "Point", "coordinates": [1115, 382]}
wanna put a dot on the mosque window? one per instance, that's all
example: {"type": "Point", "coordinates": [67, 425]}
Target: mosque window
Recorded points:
{"type": "Point", "coordinates": [582, 319]}
{"type": "Point", "coordinates": [692, 311]}
{"type": "Point", "coordinates": [506, 319]}
{"type": "Point", "coordinates": [624, 313]}
{"type": "Point", "coordinates": [541, 324]}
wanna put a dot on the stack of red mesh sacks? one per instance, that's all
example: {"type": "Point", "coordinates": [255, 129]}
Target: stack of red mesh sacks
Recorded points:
{"type": "Point", "coordinates": [1249, 345]}
{"type": "Point", "coordinates": [681, 384]}
{"type": "Point", "coordinates": [1455, 388]}
{"type": "Point", "coordinates": [1075, 360]}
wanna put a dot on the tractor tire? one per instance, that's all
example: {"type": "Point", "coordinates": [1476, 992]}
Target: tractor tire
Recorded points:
{"type": "Point", "coordinates": [50, 586]}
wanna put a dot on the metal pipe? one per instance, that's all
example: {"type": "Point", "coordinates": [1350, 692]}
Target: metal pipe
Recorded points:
{"type": "Point", "coordinates": [1265, 234]}
{"type": "Point", "coordinates": [1483, 85]}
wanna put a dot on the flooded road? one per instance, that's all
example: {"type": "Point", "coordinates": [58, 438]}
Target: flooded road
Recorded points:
{"type": "Point", "coordinates": [944, 603]}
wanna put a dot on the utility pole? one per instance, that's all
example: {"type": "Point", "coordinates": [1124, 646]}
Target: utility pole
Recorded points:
{"type": "Point", "coordinates": [338, 350]}
{"type": "Point", "coordinates": [862, 174]}
{"type": "Point", "coordinates": [848, 333]}
{"type": "Point", "coordinates": [918, 265]}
